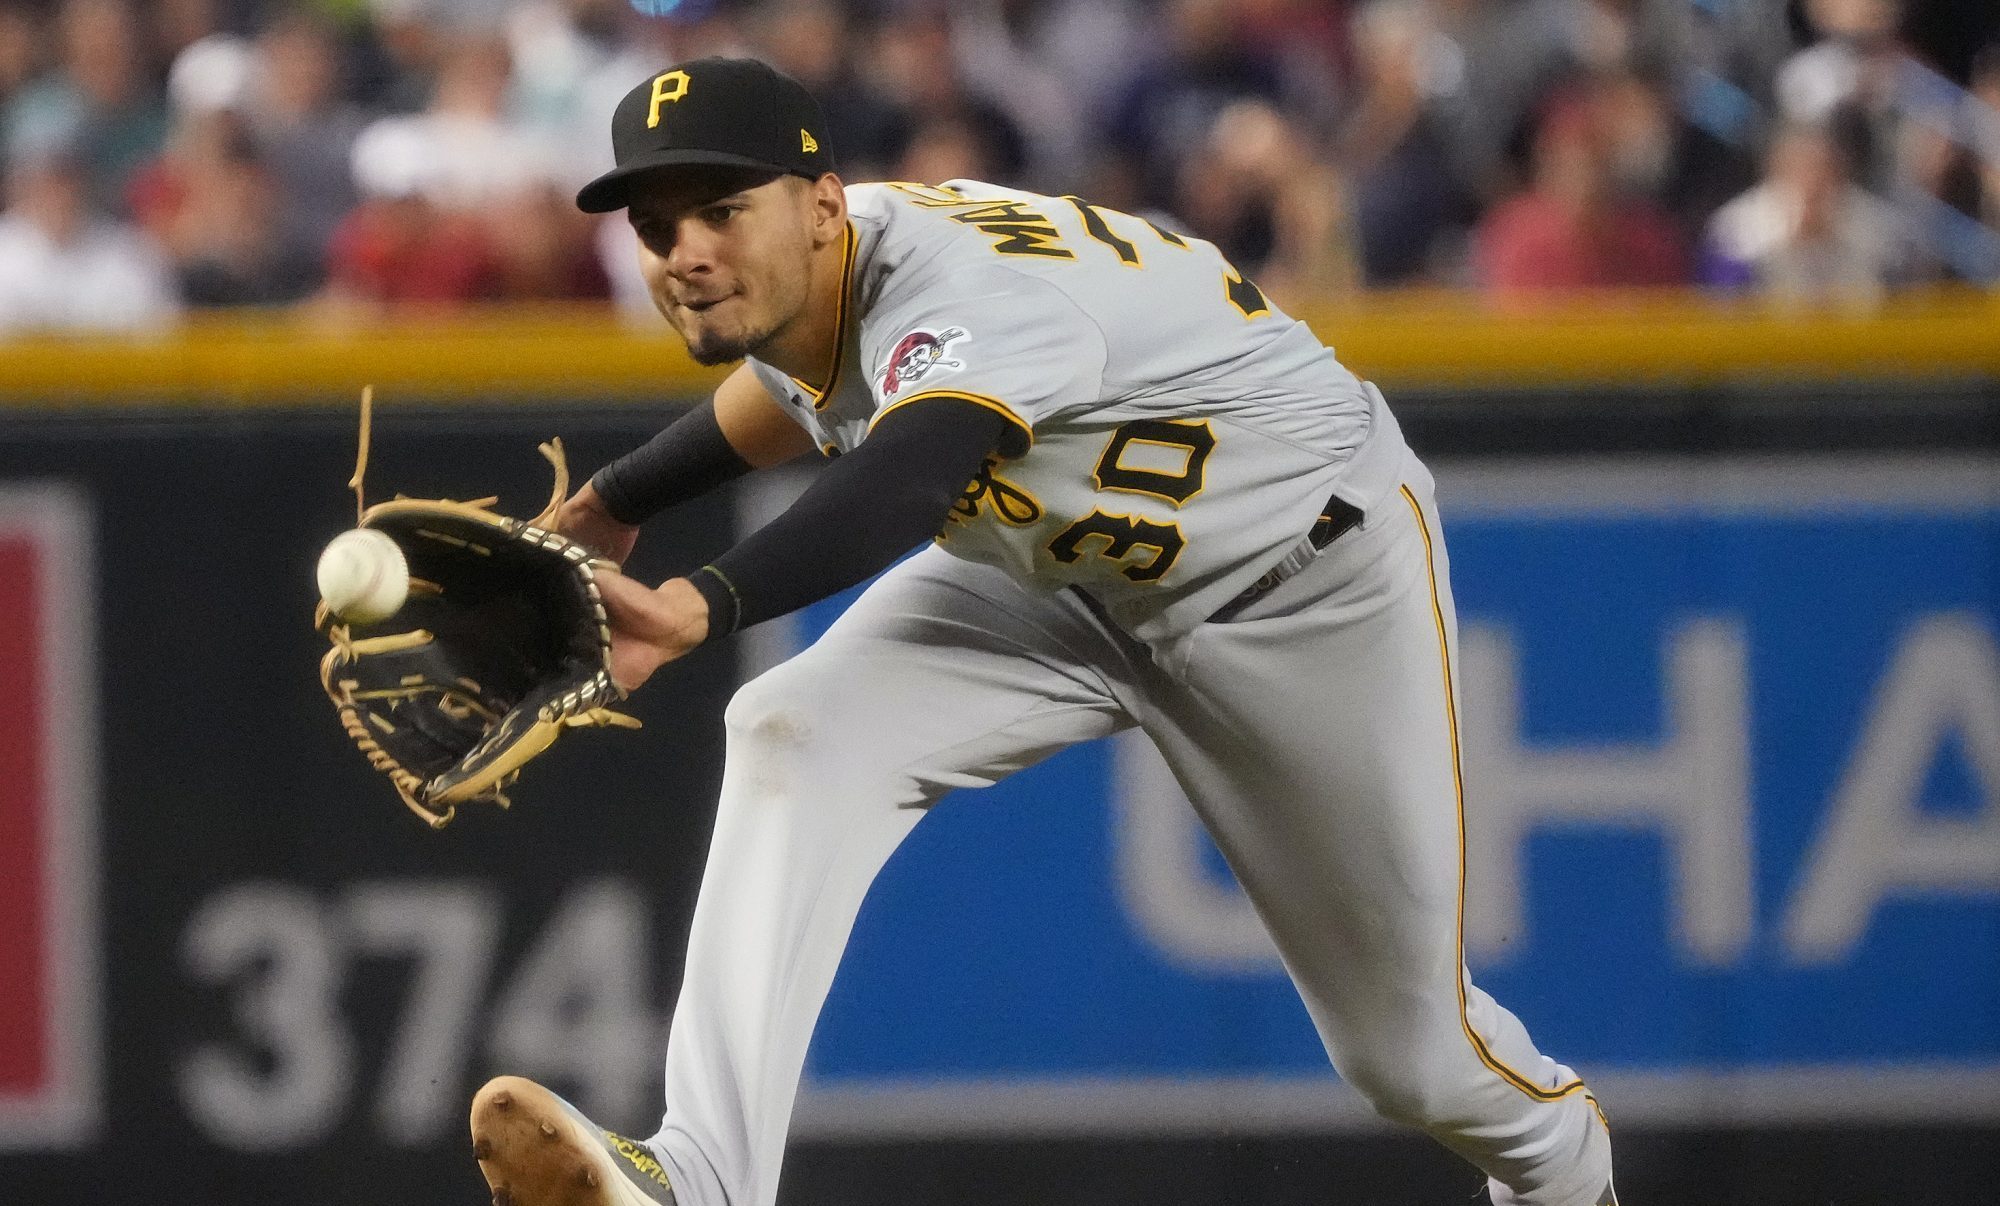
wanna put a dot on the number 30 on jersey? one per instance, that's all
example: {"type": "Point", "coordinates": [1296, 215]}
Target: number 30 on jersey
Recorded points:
{"type": "Point", "coordinates": [1159, 458]}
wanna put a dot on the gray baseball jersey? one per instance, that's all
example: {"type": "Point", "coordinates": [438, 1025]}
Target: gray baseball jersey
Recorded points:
{"type": "Point", "coordinates": [1178, 434]}
{"type": "Point", "coordinates": [1175, 438]}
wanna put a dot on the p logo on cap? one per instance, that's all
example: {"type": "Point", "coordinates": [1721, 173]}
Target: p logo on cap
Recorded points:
{"type": "Point", "coordinates": [668, 87]}
{"type": "Point", "coordinates": [739, 114]}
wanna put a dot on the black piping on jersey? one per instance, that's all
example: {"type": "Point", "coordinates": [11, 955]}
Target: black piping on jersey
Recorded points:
{"type": "Point", "coordinates": [1012, 448]}
{"type": "Point", "coordinates": [843, 307]}
{"type": "Point", "coordinates": [1522, 1082]}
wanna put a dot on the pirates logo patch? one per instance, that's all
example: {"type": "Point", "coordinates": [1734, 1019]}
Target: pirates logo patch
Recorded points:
{"type": "Point", "coordinates": [917, 355]}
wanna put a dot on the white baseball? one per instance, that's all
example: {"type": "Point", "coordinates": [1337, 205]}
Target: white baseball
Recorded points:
{"type": "Point", "coordinates": [363, 577]}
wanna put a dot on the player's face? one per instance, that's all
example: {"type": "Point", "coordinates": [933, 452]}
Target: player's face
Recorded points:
{"type": "Point", "coordinates": [726, 256]}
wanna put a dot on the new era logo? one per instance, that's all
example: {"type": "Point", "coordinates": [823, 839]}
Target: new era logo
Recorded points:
{"type": "Point", "coordinates": [807, 142]}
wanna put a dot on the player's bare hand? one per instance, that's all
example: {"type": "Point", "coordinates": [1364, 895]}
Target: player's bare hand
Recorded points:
{"type": "Point", "coordinates": [650, 626]}
{"type": "Point", "coordinates": [584, 518]}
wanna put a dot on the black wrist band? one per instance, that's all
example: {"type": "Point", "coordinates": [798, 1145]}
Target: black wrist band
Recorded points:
{"type": "Point", "coordinates": [725, 607]}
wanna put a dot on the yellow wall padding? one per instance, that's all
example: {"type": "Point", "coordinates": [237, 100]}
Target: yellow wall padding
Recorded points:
{"type": "Point", "coordinates": [1414, 340]}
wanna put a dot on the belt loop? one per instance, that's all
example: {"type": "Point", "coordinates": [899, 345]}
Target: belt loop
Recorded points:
{"type": "Point", "coordinates": [1334, 520]}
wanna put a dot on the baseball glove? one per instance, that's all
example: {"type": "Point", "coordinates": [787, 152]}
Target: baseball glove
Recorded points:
{"type": "Point", "coordinates": [501, 645]}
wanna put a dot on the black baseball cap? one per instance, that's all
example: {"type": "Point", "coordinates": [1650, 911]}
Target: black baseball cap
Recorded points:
{"type": "Point", "coordinates": [723, 112]}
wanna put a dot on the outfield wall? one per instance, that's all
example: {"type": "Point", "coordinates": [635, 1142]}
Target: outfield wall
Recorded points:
{"type": "Point", "coordinates": [1730, 588]}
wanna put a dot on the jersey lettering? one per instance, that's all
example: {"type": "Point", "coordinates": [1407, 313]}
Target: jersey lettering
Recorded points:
{"type": "Point", "coordinates": [1016, 229]}
{"type": "Point", "coordinates": [1245, 296]}
{"type": "Point", "coordinates": [1166, 234]}
{"type": "Point", "coordinates": [1013, 505]}
{"type": "Point", "coordinates": [1124, 537]}
{"type": "Point", "coordinates": [1097, 228]}
{"type": "Point", "coordinates": [1191, 441]}
{"type": "Point", "coordinates": [1014, 226]}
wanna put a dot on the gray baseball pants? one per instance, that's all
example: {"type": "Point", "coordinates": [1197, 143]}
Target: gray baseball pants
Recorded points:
{"type": "Point", "coordinates": [1315, 733]}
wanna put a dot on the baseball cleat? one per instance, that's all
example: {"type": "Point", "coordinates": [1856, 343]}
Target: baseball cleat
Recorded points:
{"type": "Point", "coordinates": [535, 1149]}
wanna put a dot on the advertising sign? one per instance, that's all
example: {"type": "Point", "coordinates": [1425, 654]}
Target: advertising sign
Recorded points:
{"type": "Point", "coordinates": [1732, 734]}
{"type": "Point", "coordinates": [50, 1025]}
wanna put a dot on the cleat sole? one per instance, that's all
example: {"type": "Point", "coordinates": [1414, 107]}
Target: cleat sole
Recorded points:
{"type": "Point", "coordinates": [533, 1153]}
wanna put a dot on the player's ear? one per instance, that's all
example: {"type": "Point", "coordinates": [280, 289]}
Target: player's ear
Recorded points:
{"type": "Point", "coordinates": [828, 198]}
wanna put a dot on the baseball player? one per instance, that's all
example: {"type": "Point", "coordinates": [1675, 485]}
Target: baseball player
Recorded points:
{"type": "Point", "coordinates": [1149, 499]}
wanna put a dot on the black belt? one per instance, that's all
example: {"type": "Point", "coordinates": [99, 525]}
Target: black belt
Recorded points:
{"type": "Point", "coordinates": [1334, 520]}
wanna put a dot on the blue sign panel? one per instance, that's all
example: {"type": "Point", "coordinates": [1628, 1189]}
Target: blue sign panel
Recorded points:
{"type": "Point", "coordinates": [1732, 736]}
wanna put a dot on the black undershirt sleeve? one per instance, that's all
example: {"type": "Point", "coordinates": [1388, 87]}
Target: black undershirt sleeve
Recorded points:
{"type": "Point", "coordinates": [687, 459]}
{"type": "Point", "coordinates": [864, 511]}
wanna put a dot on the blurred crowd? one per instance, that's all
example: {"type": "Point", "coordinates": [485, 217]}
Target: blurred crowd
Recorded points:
{"type": "Point", "coordinates": [353, 155]}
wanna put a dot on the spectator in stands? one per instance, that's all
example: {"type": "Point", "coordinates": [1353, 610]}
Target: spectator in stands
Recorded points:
{"type": "Point", "coordinates": [992, 50]}
{"type": "Point", "coordinates": [64, 269]}
{"type": "Point", "coordinates": [1985, 132]}
{"type": "Point", "coordinates": [1411, 210]}
{"type": "Point", "coordinates": [1740, 45]}
{"type": "Point", "coordinates": [1314, 140]}
{"type": "Point", "coordinates": [1659, 155]}
{"type": "Point", "coordinates": [914, 65]}
{"type": "Point", "coordinates": [1082, 52]}
{"type": "Point", "coordinates": [157, 193]}
{"type": "Point", "coordinates": [400, 49]}
{"type": "Point", "coordinates": [542, 247]}
{"type": "Point", "coordinates": [1205, 62]}
{"type": "Point", "coordinates": [477, 154]}
{"type": "Point", "coordinates": [399, 246]}
{"type": "Point", "coordinates": [98, 99]}
{"type": "Point", "coordinates": [1308, 39]}
{"type": "Point", "coordinates": [1263, 192]}
{"type": "Point", "coordinates": [948, 148]}
{"type": "Point", "coordinates": [808, 40]}
{"type": "Point", "coordinates": [572, 61]}
{"type": "Point", "coordinates": [171, 26]}
{"type": "Point", "coordinates": [1808, 231]}
{"type": "Point", "coordinates": [1505, 55]}
{"type": "Point", "coordinates": [1859, 81]}
{"type": "Point", "coordinates": [223, 230]}
{"type": "Point", "coordinates": [20, 53]}
{"type": "Point", "coordinates": [1575, 227]}
{"type": "Point", "coordinates": [304, 129]}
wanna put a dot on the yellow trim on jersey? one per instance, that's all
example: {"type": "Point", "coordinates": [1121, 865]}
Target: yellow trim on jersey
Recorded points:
{"type": "Point", "coordinates": [820, 395]}
{"type": "Point", "coordinates": [992, 404]}
{"type": "Point", "coordinates": [1486, 1056]}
